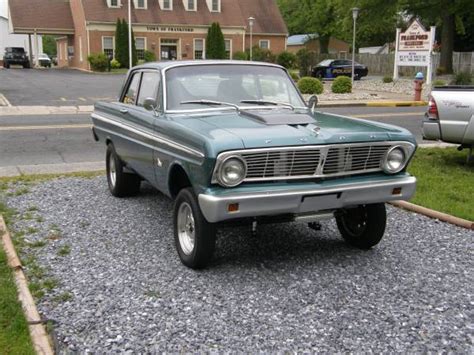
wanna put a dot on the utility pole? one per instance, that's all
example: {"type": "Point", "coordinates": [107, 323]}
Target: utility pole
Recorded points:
{"type": "Point", "coordinates": [130, 34]}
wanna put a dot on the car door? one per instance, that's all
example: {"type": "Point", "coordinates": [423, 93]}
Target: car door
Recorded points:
{"type": "Point", "coordinates": [141, 121]}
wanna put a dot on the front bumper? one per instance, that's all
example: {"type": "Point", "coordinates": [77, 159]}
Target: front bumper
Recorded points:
{"type": "Point", "coordinates": [306, 198]}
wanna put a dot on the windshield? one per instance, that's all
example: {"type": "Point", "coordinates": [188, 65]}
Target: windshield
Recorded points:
{"type": "Point", "coordinates": [16, 50]}
{"type": "Point", "coordinates": [228, 83]}
{"type": "Point", "coordinates": [325, 63]}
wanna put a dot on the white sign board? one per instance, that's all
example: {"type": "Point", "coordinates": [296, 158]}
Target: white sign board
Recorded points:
{"type": "Point", "coordinates": [415, 38]}
{"type": "Point", "coordinates": [413, 59]}
{"type": "Point", "coordinates": [414, 47]}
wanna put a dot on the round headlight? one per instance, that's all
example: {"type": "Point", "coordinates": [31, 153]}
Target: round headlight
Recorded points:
{"type": "Point", "coordinates": [232, 172]}
{"type": "Point", "coordinates": [395, 160]}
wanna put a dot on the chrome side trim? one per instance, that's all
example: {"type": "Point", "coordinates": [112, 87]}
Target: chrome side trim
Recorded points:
{"type": "Point", "coordinates": [154, 137]}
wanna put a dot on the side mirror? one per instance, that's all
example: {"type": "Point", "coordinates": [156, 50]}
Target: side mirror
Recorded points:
{"type": "Point", "coordinates": [149, 104]}
{"type": "Point", "coordinates": [312, 102]}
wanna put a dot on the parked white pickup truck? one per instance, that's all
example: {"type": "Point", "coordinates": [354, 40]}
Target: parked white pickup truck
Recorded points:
{"type": "Point", "coordinates": [450, 116]}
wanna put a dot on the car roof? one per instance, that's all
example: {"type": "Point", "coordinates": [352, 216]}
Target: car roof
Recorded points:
{"type": "Point", "coordinates": [183, 63]}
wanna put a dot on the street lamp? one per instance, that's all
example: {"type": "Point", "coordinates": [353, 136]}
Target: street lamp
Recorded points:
{"type": "Point", "coordinates": [355, 14]}
{"type": "Point", "coordinates": [130, 60]}
{"type": "Point", "coordinates": [251, 23]}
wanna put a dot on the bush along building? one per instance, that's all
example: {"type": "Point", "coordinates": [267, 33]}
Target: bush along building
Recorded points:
{"type": "Point", "coordinates": [169, 29]}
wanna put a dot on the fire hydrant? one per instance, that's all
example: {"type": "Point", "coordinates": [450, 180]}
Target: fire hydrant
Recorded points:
{"type": "Point", "coordinates": [419, 79]}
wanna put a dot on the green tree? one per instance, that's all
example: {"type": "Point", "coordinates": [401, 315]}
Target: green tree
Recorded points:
{"type": "Point", "coordinates": [49, 45]}
{"type": "Point", "coordinates": [215, 44]}
{"type": "Point", "coordinates": [120, 50]}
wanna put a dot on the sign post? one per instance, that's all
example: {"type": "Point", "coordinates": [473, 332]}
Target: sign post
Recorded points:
{"type": "Point", "coordinates": [414, 48]}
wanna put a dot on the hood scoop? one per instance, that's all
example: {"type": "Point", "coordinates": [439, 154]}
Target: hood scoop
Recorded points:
{"type": "Point", "coordinates": [278, 118]}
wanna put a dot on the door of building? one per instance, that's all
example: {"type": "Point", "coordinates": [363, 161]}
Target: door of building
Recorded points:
{"type": "Point", "coordinates": [169, 49]}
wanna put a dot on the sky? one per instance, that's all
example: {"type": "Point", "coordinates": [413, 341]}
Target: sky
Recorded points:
{"type": "Point", "coordinates": [3, 8]}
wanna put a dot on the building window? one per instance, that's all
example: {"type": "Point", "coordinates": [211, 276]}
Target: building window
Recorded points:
{"type": "Point", "coordinates": [108, 46]}
{"type": "Point", "coordinates": [199, 49]}
{"type": "Point", "coordinates": [264, 44]}
{"type": "Point", "coordinates": [80, 49]}
{"type": "Point", "coordinates": [215, 5]}
{"type": "Point", "coordinates": [166, 4]}
{"type": "Point", "coordinates": [191, 5]}
{"type": "Point", "coordinates": [113, 3]}
{"type": "Point", "coordinates": [140, 4]}
{"type": "Point", "coordinates": [228, 48]}
{"type": "Point", "coordinates": [140, 44]}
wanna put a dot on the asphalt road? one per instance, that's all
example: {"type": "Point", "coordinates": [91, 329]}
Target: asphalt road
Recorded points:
{"type": "Point", "coordinates": [56, 139]}
{"type": "Point", "coordinates": [56, 87]}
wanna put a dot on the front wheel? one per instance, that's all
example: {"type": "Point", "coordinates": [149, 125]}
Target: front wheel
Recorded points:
{"type": "Point", "coordinates": [363, 226]}
{"type": "Point", "coordinates": [195, 238]}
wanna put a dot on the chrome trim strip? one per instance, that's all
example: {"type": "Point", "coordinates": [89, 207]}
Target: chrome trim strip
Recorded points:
{"type": "Point", "coordinates": [154, 137]}
{"type": "Point", "coordinates": [323, 149]}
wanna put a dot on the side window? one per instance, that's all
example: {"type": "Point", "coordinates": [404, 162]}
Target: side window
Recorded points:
{"type": "Point", "coordinates": [132, 90]}
{"type": "Point", "coordinates": [149, 87]}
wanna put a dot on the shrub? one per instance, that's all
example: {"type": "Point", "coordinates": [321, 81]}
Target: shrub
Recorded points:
{"type": "Point", "coordinates": [294, 76]}
{"type": "Point", "coordinates": [303, 60]}
{"type": "Point", "coordinates": [309, 85]}
{"type": "Point", "coordinates": [440, 71]}
{"type": "Point", "coordinates": [115, 64]}
{"type": "Point", "coordinates": [286, 59]}
{"type": "Point", "coordinates": [150, 56]}
{"type": "Point", "coordinates": [240, 56]}
{"type": "Point", "coordinates": [263, 55]}
{"type": "Point", "coordinates": [98, 61]}
{"type": "Point", "coordinates": [387, 79]}
{"type": "Point", "coordinates": [439, 83]}
{"type": "Point", "coordinates": [462, 78]}
{"type": "Point", "coordinates": [342, 85]}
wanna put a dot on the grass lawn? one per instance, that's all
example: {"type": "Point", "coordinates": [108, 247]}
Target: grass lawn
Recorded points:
{"type": "Point", "coordinates": [445, 181]}
{"type": "Point", "coordinates": [14, 333]}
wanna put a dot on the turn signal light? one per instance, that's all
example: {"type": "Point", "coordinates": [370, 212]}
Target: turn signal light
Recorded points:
{"type": "Point", "coordinates": [233, 207]}
{"type": "Point", "coordinates": [397, 191]}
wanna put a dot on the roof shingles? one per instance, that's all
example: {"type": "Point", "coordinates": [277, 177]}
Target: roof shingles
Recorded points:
{"type": "Point", "coordinates": [234, 13]}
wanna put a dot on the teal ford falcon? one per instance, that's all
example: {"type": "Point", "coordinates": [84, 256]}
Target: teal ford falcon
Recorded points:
{"type": "Point", "coordinates": [234, 142]}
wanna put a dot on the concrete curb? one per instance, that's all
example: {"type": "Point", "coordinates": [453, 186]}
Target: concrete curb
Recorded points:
{"type": "Point", "coordinates": [380, 103]}
{"type": "Point", "coordinates": [39, 336]}
{"type": "Point", "coordinates": [464, 223]}
{"type": "Point", "coordinates": [41, 169]}
{"type": "Point", "coordinates": [45, 110]}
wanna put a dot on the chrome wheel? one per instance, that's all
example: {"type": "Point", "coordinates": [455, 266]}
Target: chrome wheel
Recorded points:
{"type": "Point", "coordinates": [112, 171]}
{"type": "Point", "coordinates": [186, 228]}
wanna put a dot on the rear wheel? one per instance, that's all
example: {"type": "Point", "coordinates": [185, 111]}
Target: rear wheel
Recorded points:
{"type": "Point", "coordinates": [26, 66]}
{"type": "Point", "coordinates": [6, 65]}
{"type": "Point", "coordinates": [194, 236]}
{"type": "Point", "coordinates": [121, 184]}
{"type": "Point", "coordinates": [363, 226]}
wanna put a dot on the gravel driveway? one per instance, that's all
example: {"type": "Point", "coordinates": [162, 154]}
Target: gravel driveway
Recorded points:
{"type": "Point", "coordinates": [288, 289]}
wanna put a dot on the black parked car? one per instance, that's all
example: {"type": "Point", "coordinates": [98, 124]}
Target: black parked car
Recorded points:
{"type": "Point", "coordinates": [15, 55]}
{"type": "Point", "coordinates": [332, 68]}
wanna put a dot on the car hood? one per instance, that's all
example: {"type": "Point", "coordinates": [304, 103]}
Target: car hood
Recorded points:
{"type": "Point", "coordinates": [301, 129]}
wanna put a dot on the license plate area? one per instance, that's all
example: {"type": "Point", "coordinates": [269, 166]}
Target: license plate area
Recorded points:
{"type": "Point", "coordinates": [312, 203]}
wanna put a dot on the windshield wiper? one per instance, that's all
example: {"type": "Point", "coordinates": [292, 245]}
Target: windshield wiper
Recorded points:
{"type": "Point", "coordinates": [268, 102]}
{"type": "Point", "coordinates": [210, 103]}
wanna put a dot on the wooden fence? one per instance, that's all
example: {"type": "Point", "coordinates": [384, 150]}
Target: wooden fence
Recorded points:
{"type": "Point", "coordinates": [382, 64]}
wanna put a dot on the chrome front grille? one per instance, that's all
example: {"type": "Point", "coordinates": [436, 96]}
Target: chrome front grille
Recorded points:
{"type": "Point", "coordinates": [281, 163]}
{"type": "Point", "coordinates": [320, 161]}
{"type": "Point", "coordinates": [354, 159]}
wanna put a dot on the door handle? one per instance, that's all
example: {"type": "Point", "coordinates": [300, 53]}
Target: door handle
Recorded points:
{"type": "Point", "coordinates": [123, 110]}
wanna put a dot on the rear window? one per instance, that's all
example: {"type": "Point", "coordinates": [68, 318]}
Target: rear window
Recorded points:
{"type": "Point", "coordinates": [16, 50]}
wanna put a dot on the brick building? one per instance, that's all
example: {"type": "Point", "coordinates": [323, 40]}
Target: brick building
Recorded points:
{"type": "Point", "coordinates": [172, 29]}
{"type": "Point", "coordinates": [311, 43]}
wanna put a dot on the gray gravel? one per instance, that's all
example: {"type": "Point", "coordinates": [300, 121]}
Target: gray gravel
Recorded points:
{"type": "Point", "coordinates": [288, 289]}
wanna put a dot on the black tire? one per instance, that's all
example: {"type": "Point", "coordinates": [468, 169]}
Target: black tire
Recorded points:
{"type": "Point", "coordinates": [363, 226]}
{"type": "Point", "coordinates": [6, 65]}
{"type": "Point", "coordinates": [121, 184]}
{"type": "Point", "coordinates": [26, 66]}
{"type": "Point", "coordinates": [197, 254]}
